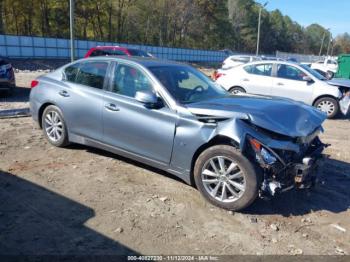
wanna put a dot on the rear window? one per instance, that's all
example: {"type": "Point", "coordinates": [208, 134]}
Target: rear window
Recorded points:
{"type": "Point", "coordinates": [107, 52]}
{"type": "Point", "coordinates": [71, 72]}
{"type": "Point", "coordinates": [92, 74]}
{"type": "Point", "coordinates": [243, 59]}
{"type": "Point", "coordinates": [331, 62]}
{"type": "Point", "coordinates": [259, 69]}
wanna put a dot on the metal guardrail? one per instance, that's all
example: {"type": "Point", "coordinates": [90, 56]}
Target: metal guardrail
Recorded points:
{"type": "Point", "coordinates": [42, 47]}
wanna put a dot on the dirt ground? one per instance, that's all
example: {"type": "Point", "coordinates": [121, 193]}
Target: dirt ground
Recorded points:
{"type": "Point", "coordinates": [80, 200]}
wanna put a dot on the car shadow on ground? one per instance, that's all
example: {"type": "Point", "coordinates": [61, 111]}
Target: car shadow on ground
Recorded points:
{"type": "Point", "coordinates": [341, 117]}
{"type": "Point", "coordinates": [124, 159]}
{"type": "Point", "coordinates": [331, 193]}
{"type": "Point", "coordinates": [36, 221]}
{"type": "Point", "coordinates": [19, 94]}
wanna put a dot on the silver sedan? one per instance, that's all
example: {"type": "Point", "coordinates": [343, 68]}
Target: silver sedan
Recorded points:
{"type": "Point", "coordinates": [171, 116]}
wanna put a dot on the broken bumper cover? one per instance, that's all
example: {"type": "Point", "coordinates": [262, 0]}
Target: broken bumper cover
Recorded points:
{"type": "Point", "coordinates": [305, 174]}
{"type": "Point", "coordinates": [300, 174]}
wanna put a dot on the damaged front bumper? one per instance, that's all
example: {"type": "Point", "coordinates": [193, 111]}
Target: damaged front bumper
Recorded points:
{"type": "Point", "coordinates": [344, 104]}
{"type": "Point", "coordinates": [283, 170]}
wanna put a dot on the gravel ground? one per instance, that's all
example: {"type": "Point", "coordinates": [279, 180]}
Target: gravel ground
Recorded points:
{"type": "Point", "coordinates": [80, 200]}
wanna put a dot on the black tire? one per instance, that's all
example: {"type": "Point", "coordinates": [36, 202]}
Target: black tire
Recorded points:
{"type": "Point", "coordinates": [333, 104]}
{"type": "Point", "coordinates": [247, 169]}
{"type": "Point", "coordinates": [62, 141]}
{"type": "Point", "coordinates": [236, 89]}
{"type": "Point", "coordinates": [10, 91]}
{"type": "Point", "coordinates": [329, 75]}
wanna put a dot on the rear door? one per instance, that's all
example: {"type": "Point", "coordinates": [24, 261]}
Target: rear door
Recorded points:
{"type": "Point", "coordinates": [81, 100]}
{"type": "Point", "coordinates": [258, 79]}
{"type": "Point", "coordinates": [288, 82]}
{"type": "Point", "coordinates": [129, 125]}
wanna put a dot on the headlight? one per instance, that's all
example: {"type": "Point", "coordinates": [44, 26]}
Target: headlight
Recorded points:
{"type": "Point", "coordinates": [268, 157]}
{"type": "Point", "coordinates": [262, 154]}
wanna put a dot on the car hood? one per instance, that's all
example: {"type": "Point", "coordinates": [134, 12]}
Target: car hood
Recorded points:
{"type": "Point", "coordinates": [283, 116]}
{"type": "Point", "coordinates": [339, 82]}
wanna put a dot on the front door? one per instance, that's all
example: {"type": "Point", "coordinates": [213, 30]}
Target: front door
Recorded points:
{"type": "Point", "coordinates": [289, 83]}
{"type": "Point", "coordinates": [129, 125]}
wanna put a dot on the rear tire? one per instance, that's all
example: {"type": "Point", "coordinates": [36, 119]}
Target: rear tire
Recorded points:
{"type": "Point", "coordinates": [236, 90]}
{"type": "Point", "coordinates": [328, 105]}
{"type": "Point", "coordinates": [54, 127]}
{"type": "Point", "coordinates": [226, 178]}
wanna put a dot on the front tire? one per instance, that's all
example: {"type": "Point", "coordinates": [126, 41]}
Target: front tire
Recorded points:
{"type": "Point", "coordinates": [226, 178]}
{"type": "Point", "coordinates": [54, 127]}
{"type": "Point", "coordinates": [329, 75]}
{"type": "Point", "coordinates": [328, 105]}
{"type": "Point", "coordinates": [237, 90]}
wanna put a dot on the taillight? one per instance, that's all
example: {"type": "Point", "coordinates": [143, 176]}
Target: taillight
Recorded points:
{"type": "Point", "coordinates": [216, 75]}
{"type": "Point", "coordinates": [34, 83]}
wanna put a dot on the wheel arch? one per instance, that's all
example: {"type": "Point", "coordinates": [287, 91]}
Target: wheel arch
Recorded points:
{"type": "Point", "coordinates": [41, 111]}
{"type": "Point", "coordinates": [323, 96]}
{"type": "Point", "coordinates": [217, 140]}
{"type": "Point", "coordinates": [236, 86]}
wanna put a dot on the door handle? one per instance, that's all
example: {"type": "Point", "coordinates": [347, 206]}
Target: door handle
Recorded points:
{"type": "Point", "coordinates": [280, 84]}
{"type": "Point", "coordinates": [63, 93]}
{"type": "Point", "coordinates": [112, 107]}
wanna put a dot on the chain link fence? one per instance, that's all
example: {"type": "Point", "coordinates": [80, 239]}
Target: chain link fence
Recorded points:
{"type": "Point", "coordinates": [299, 57]}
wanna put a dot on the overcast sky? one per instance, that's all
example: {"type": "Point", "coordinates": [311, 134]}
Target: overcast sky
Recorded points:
{"type": "Point", "coordinates": [333, 14]}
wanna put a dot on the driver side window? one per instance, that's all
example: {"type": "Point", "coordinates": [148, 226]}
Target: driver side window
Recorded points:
{"type": "Point", "coordinates": [289, 72]}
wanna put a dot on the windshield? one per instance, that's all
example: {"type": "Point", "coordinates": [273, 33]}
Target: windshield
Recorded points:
{"type": "Point", "coordinates": [313, 72]}
{"type": "Point", "coordinates": [186, 84]}
{"type": "Point", "coordinates": [136, 52]}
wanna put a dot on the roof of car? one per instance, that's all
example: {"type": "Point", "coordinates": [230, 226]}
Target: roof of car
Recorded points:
{"type": "Point", "coordinates": [115, 47]}
{"type": "Point", "coordinates": [108, 47]}
{"type": "Point", "coordinates": [146, 62]}
{"type": "Point", "coordinates": [273, 62]}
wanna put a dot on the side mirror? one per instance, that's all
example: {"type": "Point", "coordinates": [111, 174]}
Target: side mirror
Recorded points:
{"type": "Point", "coordinates": [148, 98]}
{"type": "Point", "coordinates": [307, 79]}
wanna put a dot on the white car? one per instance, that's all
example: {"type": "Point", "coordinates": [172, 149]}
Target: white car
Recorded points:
{"type": "Point", "coordinates": [327, 67]}
{"type": "Point", "coordinates": [283, 79]}
{"type": "Point", "coordinates": [236, 60]}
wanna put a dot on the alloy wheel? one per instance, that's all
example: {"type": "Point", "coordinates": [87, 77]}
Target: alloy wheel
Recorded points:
{"type": "Point", "coordinates": [53, 126]}
{"type": "Point", "coordinates": [223, 179]}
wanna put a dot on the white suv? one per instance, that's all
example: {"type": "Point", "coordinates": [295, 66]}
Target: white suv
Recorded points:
{"type": "Point", "coordinates": [327, 68]}
{"type": "Point", "coordinates": [283, 79]}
